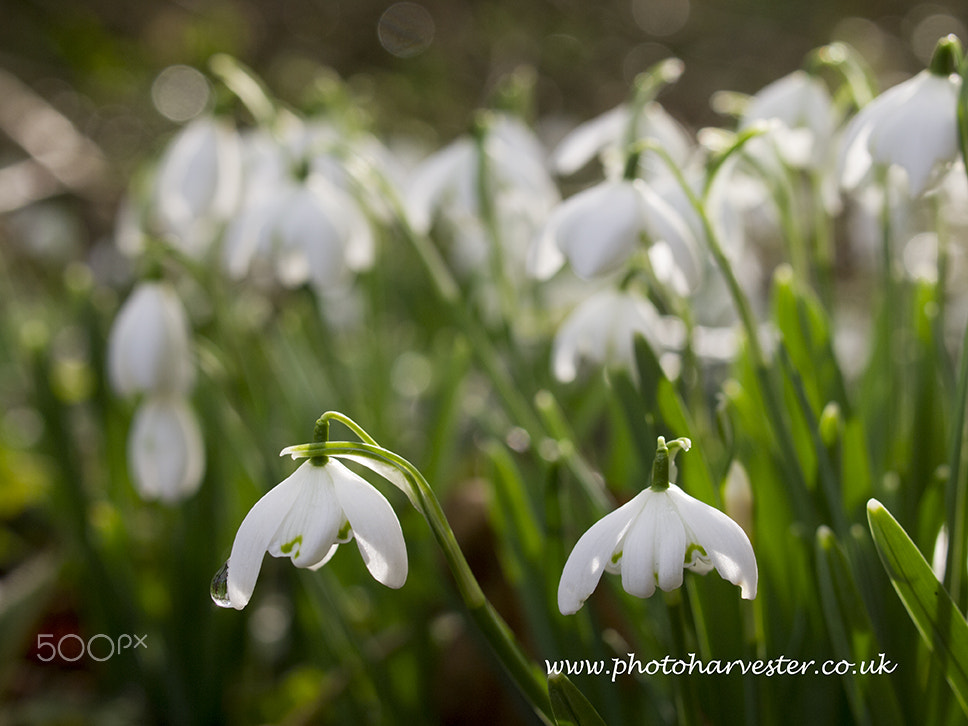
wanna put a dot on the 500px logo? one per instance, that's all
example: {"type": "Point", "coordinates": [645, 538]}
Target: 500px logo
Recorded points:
{"type": "Point", "coordinates": [76, 647]}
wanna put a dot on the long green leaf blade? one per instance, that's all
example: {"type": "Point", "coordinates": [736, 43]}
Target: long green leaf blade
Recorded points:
{"type": "Point", "coordinates": [941, 625]}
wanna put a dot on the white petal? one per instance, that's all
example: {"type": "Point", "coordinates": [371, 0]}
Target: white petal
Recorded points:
{"type": "Point", "coordinates": [256, 532]}
{"type": "Point", "coordinates": [585, 333]}
{"type": "Point", "coordinates": [311, 526]}
{"type": "Point", "coordinates": [149, 345]}
{"type": "Point", "coordinates": [166, 452]}
{"type": "Point", "coordinates": [374, 524]}
{"type": "Point", "coordinates": [923, 133]}
{"type": "Point", "coordinates": [638, 556]}
{"type": "Point", "coordinates": [437, 175]}
{"type": "Point", "coordinates": [664, 223]}
{"type": "Point", "coordinates": [591, 554]}
{"type": "Point", "coordinates": [601, 227]}
{"type": "Point", "coordinates": [726, 544]}
{"type": "Point", "coordinates": [587, 139]}
{"type": "Point", "coordinates": [390, 473]}
{"type": "Point", "coordinates": [544, 257]}
{"type": "Point", "coordinates": [670, 546]}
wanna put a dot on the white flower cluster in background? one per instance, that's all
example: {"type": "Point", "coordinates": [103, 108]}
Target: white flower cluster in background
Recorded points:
{"type": "Point", "coordinates": [293, 201]}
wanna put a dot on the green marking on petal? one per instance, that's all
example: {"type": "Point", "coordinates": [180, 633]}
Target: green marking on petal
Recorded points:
{"type": "Point", "coordinates": [616, 557]}
{"type": "Point", "coordinates": [288, 546]}
{"type": "Point", "coordinates": [691, 550]}
{"type": "Point", "coordinates": [344, 532]}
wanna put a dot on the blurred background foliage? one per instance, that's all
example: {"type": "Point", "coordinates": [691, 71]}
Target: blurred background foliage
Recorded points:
{"type": "Point", "coordinates": [97, 61]}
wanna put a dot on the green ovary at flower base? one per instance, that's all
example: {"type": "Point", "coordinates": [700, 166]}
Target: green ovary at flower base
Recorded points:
{"type": "Point", "coordinates": [651, 539]}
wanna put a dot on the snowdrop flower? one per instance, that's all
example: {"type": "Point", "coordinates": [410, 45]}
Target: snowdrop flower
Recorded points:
{"type": "Point", "coordinates": [149, 348]}
{"type": "Point", "coordinates": [196, 187]}
{"type": "Point", "coordinates": [602, 330]}
{"type": "Point", "coordinates": [653, 538]}
{"type": "Point", "coordinates": [913, 125]}
{"type": "Point", "coordinates": [598, 229]}
{"type": "Point", "coordinates": [802, 106]}
{"type": "Point", "coordinates": [166, 452]}
{"type": "Point", "coordinates": [310, 232]}
{"type": "Point", "coordinates": [609, 135]}
{"type": "Point", "coordinates": [306, 518]}
{"type": "Point", "coordinates": [446, 187]}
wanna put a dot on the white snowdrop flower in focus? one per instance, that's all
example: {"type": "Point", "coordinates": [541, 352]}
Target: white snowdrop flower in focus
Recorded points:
{"type": "Point", "coordinates": [305, 518]}
{"type": "Point", "coordinates": [651, 539]}
{"type": "Point", "coordinates": [913, 125]}
{"type": "Point", "coordinates": [149, 348]}
{"type": "Point", "coordinates": [166, 453]}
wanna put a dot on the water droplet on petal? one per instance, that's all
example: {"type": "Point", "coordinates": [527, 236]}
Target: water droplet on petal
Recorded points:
{"type": "Point", "coordinates": [220, 587]}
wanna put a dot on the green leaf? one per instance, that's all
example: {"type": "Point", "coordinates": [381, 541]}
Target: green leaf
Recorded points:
{"type": "Point", "coordinates": [569, 705]}
{"type": "Point", "coordinates": [851, 633]}
{"type": "Point", "coordinates": [941, 625]}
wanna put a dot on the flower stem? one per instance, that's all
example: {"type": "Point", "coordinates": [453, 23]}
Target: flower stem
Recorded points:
{"type": "Point", "coordinates": [771, 397]}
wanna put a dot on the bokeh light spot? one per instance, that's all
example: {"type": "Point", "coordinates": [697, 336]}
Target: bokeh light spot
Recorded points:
{"type": "Point", "coordinates": [660, 17]}
{"type": "Point", "coordinates": [180, 93]}
{"type": "Point", "coordinates": [929, 30]}
{"type": "Point", "coordinates": [406, 29]}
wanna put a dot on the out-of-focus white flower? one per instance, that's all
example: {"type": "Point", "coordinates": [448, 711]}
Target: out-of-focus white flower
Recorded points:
{"type": "Point", "coordinates": [913, 125]}
{"type": "Point", "coordinates": [166, 453]}
{"type": "Point", "coordinates": [602, 330]}
{"type": "Point", "coordinates": [738, 496]}
{"type": "Point", "coordinates": [197, 185]}
{"type": "Point", "coordinates": [802, 106]}
{"type": "Point", "coordinates": [149, 348]}
{"type": "Point", "coordinates": [650, 540]}
{"type": "Point", "coordinates": [312, 232]}
{"type": "Point", "coordinates": [306, 517]}
{"type": "Point", "coordinates": [609, 135]}
{"type": "Point", "coordinates": [446, 187]}
{"type": "Point", "coordinates": [598, 229]}
{"type": "Point", "coordinates": [305, 215]}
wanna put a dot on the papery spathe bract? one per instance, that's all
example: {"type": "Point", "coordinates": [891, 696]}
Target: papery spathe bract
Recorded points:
{"type": "Point", "coordinates": [306, 517]}
{"type": "Point", "coordinates": [650, 540]}
{"type": "Point", "coordinates": [149, 347]}
{"type": "Point", "coordinates": [166, 452]}
{"type": "Point", "coordinates": [913, 125]}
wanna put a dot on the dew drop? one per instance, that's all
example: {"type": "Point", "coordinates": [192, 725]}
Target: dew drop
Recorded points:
{"type": "Point", "coordinates": [220, 587]}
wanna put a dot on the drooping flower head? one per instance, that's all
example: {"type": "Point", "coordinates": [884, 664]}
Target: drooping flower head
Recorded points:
{"type": "Point", "coordinates": [166, 452]}
{"type": "Point", "coordinates": [149, 346]}
{"type": "Point", "coordinates": [305, 518]}
{"type": "Point", "coordinates": [653, 538]}
{"type": "Point", "coordinates": [913, 125]}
